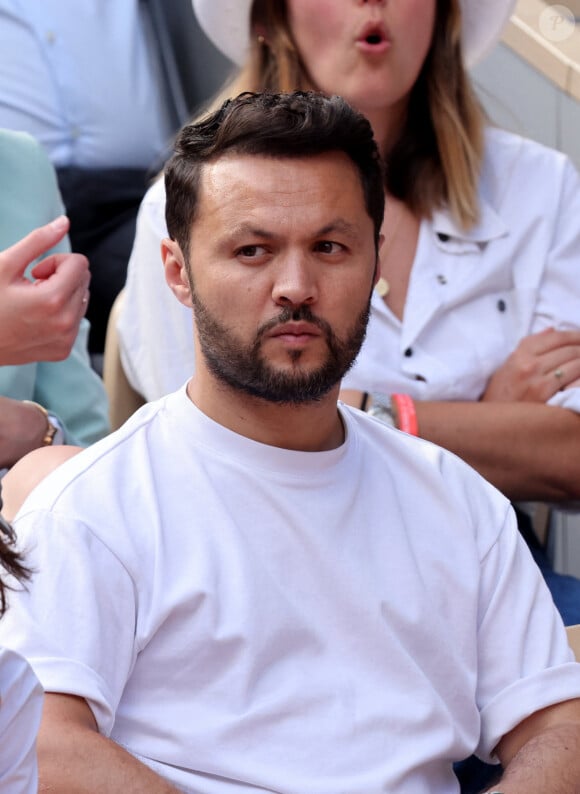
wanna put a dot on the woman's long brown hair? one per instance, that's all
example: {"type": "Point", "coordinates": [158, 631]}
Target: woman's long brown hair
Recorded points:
{"type": "Point", "coordinates": [10, 559]}
{"type": "Point", "coordinates": [437, 160]}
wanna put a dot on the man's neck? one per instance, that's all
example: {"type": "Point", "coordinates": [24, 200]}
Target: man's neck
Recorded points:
{"type": "Point", "coordinates": [310, 427]}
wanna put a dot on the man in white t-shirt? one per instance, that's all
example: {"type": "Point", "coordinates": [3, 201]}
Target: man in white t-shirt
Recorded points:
{"type": "Point", "coordinates": [249, 588]}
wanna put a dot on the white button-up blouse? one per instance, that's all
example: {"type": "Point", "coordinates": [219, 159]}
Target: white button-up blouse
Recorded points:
{"type": "Point", "coordinates": [474, 295]}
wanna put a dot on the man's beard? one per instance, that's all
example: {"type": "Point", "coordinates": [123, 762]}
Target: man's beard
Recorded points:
{"type": "Point", "coordinates": [243, 367]}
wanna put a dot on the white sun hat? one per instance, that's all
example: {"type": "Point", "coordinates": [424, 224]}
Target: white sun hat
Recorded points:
{"type": "Point", "coordinates": [227, 25]}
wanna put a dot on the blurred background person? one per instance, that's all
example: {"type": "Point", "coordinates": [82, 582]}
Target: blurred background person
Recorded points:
{"type": "Point", "coordinates": [100, 86]}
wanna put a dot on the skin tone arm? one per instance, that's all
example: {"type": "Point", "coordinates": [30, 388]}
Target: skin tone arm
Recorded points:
{"type": "Point", "coordinates": [73, 757]}
{"type": "Point", "coordinates": [22, 429]}
{"type": "Point", "coordinates": [39, 320]}
{"type": "Point", "coordinates": [28, 472]}
{"type": "Point", "coordinates": [527, 449]}
{"type": "Point", "coordinates": [542, 753]}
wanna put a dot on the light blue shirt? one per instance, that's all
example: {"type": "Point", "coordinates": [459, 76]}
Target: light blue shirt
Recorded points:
{"type": "Point", "coordinates": [69, 389]}
{"type": "Point", "coordinates": [84, 79]}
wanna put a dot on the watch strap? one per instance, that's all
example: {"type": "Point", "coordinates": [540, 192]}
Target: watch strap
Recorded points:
{"type": "Point", "coordinates": [51, 426]}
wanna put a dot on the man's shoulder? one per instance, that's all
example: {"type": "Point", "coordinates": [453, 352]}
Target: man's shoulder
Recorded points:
{"type": "Point", "coordinates": [378, 438]}
{"type": "Point", "coordinates": [98, 474]}
{"type": "Point", "coordinates": [423, 466]}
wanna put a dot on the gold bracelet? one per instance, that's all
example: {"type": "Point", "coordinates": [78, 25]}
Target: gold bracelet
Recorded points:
{"type": "Point", "coordinates": [51, 428]}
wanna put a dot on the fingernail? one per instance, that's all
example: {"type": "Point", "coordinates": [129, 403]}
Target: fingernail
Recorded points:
{"type": "Point", "coordinates": [60, 223]}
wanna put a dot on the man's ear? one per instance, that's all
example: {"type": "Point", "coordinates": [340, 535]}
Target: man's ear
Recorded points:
{"type": "Point", "coordinates": [176, 271]}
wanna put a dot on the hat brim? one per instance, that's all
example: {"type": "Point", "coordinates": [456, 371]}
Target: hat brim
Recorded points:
{"type": "Point", "coordinates": [483, 22]}
{"type": "Point", "coordinates": [227, 25]}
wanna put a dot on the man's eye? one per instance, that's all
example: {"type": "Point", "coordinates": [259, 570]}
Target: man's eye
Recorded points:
{"type": "Point", "coordinates": [250, 251]}
{"type": "Point", "coordinates": [328, 247]}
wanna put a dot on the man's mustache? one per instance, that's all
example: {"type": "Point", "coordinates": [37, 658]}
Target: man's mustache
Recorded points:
{"type": "Point", "coordinates": [301, 313]}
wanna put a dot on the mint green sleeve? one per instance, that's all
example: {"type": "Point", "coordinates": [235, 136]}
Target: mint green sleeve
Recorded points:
{"type": "Point", "coordinates": [72, 391]}
{"type": "Point", "coordinates": [69, 389]}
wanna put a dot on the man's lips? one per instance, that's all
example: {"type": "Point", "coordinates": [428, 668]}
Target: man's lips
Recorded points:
{"type": "Point", "coordinates": [296, 333]}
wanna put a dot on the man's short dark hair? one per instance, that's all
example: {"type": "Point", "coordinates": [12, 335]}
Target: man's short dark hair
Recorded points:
{"type": "Point", "coordinates": [298, 124]}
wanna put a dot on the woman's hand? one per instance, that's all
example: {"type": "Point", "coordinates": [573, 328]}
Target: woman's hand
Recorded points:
{"type": "Point", "coordinates": [39, 319]}
{"type": "Point", "coordinates": [542, 365]}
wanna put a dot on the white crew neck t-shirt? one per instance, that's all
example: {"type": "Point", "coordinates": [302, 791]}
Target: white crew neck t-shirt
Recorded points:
{"type": "Point", "coordinates": [246, 618]}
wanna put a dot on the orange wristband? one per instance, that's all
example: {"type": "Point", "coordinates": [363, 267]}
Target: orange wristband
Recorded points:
{"type": "Point", "coordinates": [406, 413]}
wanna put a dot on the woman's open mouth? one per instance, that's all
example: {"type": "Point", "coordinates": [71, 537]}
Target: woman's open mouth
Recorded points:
{"type": "Point", "coordinates": [373, 39]}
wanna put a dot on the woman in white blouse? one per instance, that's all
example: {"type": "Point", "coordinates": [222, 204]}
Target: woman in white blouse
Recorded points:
{"type": "Point", "coordinates": [482, 241]}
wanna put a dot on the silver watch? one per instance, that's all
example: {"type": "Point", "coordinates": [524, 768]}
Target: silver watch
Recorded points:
{"type": "Point", "coordinates": [382, 409]}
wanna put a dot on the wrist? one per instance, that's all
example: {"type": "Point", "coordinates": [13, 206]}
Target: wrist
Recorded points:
{"type": "Point", "coordinates": [396, 410]}
{"type": "Point", "coordinates": [50, 427]}
{"type": "Point", "coordinates": [381, 407]}
{"type": "Point", "coordinates": [23, 428]}
{"type": "Point", "coordinates": [406, 413]}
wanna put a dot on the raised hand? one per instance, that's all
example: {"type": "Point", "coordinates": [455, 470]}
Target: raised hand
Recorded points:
{"type": "Point", "coordinates": [39, 319]}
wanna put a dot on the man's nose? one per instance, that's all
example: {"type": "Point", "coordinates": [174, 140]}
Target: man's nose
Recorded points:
{"type": "Point", "coordinates": [295, 283]}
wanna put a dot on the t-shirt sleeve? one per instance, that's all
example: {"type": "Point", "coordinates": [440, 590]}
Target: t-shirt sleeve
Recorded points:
{"type": "Point", "coordinates": [524, 661]}
{"type": "Point", "coordinates": [75, 622]}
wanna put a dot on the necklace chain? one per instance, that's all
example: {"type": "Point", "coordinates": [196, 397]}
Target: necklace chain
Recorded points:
{"type": "Point", "coordinates": [382, 286]}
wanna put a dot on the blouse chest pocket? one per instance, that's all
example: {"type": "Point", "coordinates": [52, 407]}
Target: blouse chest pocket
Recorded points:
{"type": "Point", "coordinates": [468, 339]}
{"type": "Point", "coordinates": [495, 322]}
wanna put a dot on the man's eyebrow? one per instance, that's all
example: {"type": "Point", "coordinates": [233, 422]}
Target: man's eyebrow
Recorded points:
{"type": "Point", "coordinates": [339, 225]}
{"type": "Point", "coordinates": [248, 228]}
